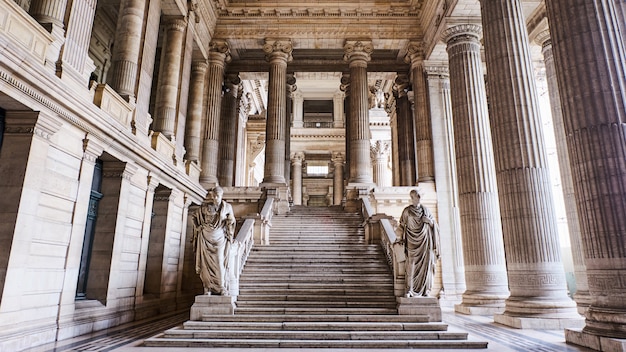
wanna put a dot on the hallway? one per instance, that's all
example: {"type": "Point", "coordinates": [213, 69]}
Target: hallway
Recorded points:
{"type": "Point", "coordinates": [129, 337]}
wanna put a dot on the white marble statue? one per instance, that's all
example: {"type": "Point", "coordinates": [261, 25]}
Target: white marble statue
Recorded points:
{"type": "Point", "coordinates": [213, 231]}
{"type": "Point", "coordinates": [420, 235]}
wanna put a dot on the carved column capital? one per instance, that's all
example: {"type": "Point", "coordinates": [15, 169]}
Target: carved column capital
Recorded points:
{"type": "Point", "coordinates": [278, 49]}
{"type": "Point", "coordinates": [414, 53]}
{"type": "Point", "coordinates": [462, 33]}
{"type": "Point", "coordinates": [543, 38]}
{"type": "Point", "coordinates": [358, 52]}
{"type": "Point", "coordinates": [199, 66]}
{"type": "Point", "coordinates": [297, 158]}
{"type": "Point", "coordinates": [219, 51]}
{"type": "Point", "coordinates": [338, 158]}
{"type": "Point", "coordinates": [177, 24]}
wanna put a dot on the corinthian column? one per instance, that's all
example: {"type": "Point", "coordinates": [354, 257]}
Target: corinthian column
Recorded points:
{"type": "Point", "coordinates": [357, 53]}
{"type": "Point", "coordinates": [423, 130]}
{"type": "Point", "coordinates": [278, 53]}
{"type": "Point", "coordinates": [406, 132]}
{"type": "Point", "coordinates": [125, 57]}
{"type": "Point", "coordinates": [296, 162]}
{"type": "Point", "coordinates": [228, 131]}
{"type": "Point", "coordinates": [219, 55]}
{"type": "Point", "coordinates": [195, 110]}
{"type": "Point", "coordinates": [594, 111]}
{"type": "Point", "coordinates": [535, 270]}
{"type": "Point", "coordinates": [165, 111]}
{"type": "Point", "coordinates": [581, 296]}
{"type": "Point", "coordinates": [483, 248]}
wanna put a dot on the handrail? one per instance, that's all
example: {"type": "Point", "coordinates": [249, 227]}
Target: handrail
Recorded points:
{"type": "Point", "coordinates": [380, 227]}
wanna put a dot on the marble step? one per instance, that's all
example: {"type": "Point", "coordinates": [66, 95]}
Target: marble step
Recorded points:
{"type": "Point", "coordinates": [306, 289]}
{"type": "Point", "coordinates": [308, 296]}
{"type": "Point", "coordinates": [317, 318]}
{"type": "Point", "coordinates": [314, 310]}
{"type": "Point", "coordinates": [356, 280]}
{"type": "Point", "coordinates": [309, 269]}
{"type": "Point", "coordinates": [383, 344]}
{"type": "Point", "coordinates": [314, 325]}
{"type": "Point", "coordinates": [315, 304]}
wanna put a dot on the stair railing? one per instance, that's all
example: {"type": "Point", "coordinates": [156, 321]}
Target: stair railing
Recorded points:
{"type": "Point", "coordinates": [254, 227]}
{"type": "Point", "coordinates": [381, 227]}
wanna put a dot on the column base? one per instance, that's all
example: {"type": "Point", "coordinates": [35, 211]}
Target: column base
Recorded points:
{"type": "Point", "coordinates": [598, 343]}
{"type": "Point", "coordinates": [212, 305]}
{"type": "Point", "coordinates": [478, 310]}
{"type": "Point", "coordinates": [420, 306]}
{"type": "Point", "coordinates": [542, 323]}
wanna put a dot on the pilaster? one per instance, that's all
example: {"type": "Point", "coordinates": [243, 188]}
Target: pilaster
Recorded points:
{"type": "Point", "coordinates": [380, 159]}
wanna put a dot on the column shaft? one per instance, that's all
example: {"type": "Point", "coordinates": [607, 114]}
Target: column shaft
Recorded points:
{"type": "Point", "coordinates": [228, 131]}
{"type": "Point", "coordinates": [165, 112]}
{"type": "Point", "coordinates": [423, 129]}
{"type": "Point", "coordinates": [296, 172]}
{"type": "Point", "coordinates": [51, 15]}
{"type": "Point", "coordinates": [278, 54]}
{"type": "Point", "coordinates": [535, 271]}
{"type": "Point", "coordinates": [291, 88]}
{"type": "Point", "coordinates": [125, 57]}
{"type": "Point", "coordinates": [581, 296]}
{"type": "Point", "coordinates": [452, 267]}
{"type": "Point", "coordinates": [406, 133]}
{"type": "Point", "coordinates": [590, 66]}
{"type": "Point", "coordinates": [358, 54]}
{"type": "Point", "coordinates": [380, 157]}
{"type": "Point", "coordinates": [218, 56]}
{"type": "Point", "coordinates": [338, 162]}
{"type": "Point", "coordinates": [195, 110]}
{"type": "Point", "coordinates": [483, 247]}
{"type": "Point", "coordinates": [75, 50]}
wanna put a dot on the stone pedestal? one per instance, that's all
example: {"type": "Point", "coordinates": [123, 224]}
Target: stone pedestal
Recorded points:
{"type": "Point", "coordinates": [544, 323]}
{"type": "Point", "coordinates": [420, 306]}
{"type": "Point", "coordinates": [598, 343]}
{"type": "Point", "coordinates": [212, 305]}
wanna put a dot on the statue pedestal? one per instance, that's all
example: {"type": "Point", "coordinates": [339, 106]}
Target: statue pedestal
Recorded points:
{"type": "Point", "coordinates": [420, 306]}
{"type": "Point", "coordinates": [211, 305]}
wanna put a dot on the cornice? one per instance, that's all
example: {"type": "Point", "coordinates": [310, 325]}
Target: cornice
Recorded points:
{"type": "Point", "coordinates": [326, 12]}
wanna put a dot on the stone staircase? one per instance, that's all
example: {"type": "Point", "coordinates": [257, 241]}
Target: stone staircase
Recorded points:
{"type": "Point", "coordinates": [318, 285]}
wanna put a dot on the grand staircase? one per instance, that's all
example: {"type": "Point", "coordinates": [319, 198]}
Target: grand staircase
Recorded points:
{"type": "Point", "coordinates": [318, 285]}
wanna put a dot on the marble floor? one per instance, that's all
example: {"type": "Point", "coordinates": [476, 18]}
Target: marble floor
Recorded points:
{"type": "Point", "coordinates": [129, 338]}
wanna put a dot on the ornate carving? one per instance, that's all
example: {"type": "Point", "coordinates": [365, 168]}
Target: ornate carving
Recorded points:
{"type": "Point", "coordinates": [462, 33]}
{"type": "Point", "coordinates": [280, 47]}
{"type": "Point", "coordinates": [219, 49]}
{"type": "Point", "coordinates": [358, 50]}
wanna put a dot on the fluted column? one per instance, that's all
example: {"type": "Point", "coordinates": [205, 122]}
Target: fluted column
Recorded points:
{"type": "Point", "coordinates": [51, 15]}
{"type": "Point", "coordinates": [533, 256]}
{"type": "Point", "coordinates": [228, 131]}
{"type": "Point", "coordinates": [406, 132]}
{"type": "Point", "coordinates": [338, 162]}
{"type": "Point", "coordinates": [452, 267]}
{"type": "Point", "coordinates": [483, 247]}
{"type": "Point", "coordinates": [219, 55]}
{"type": "Point", "coordinates": [590, 63]}
{"type": "Point", "coordinates": [345, 88]}
{"type": "Point", "coordinates": [75, 61]}
{"type": "Point", "coordinates": [195, 110]}
{"type": "Point", "coordinates": [423, 130]}
{"type": "Point", "coordinates": [296, 172]}
{"type": "Point", "coordinates": [357, 53]}
{"type": "Point", "coordinates": [291, 88]}
{"type": "Point", "coordinates": [582, 298]}
{"type": "Point", "coordinates": [165, 111]}
{"type": "Point", "coordinates": [125, 57]}
{"type": "Point", "coordinates": [278, 53]}
{"type": "Point", "coordinates": [380, 157]}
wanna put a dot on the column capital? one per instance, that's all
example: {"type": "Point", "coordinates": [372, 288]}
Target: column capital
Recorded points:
{"type": "Point", "coordinates": [379, 149]}
{"type": "Point", "coordinates": [297, 158]}
{"type": "Point", "coordinates": [219, 51]}
{"type": "Point", "coordinates": [278, 48]}
{"type": "Point", "coordinates": [358, 52]}
{"type": "Point", "coordinates": [344, 85]}
{"type": "Point", "coordinates": [462, 33]}
{"type": "Point", "coordinates": [414, 53]}
{"type": "Point", "coordinates": [400, 85]}
{"type": "Point", "coordinates": [199, 66]}
{"type": "Point", "coordinates": [433, 69]}
{"type": "Point", "coordinates": [178, 24]}
{"type": "Point", "coordinates": [337, 158]}
{"type": "Point", "coordinates": [231, 82]}
{"type": "Point", "coordinates": [543, 38]}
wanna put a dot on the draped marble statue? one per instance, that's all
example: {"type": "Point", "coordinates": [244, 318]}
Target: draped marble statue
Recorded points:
{"type": "Point", "coordinates": [213, 231]}
{"type": "Point", "coordinates": [420, 235]}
